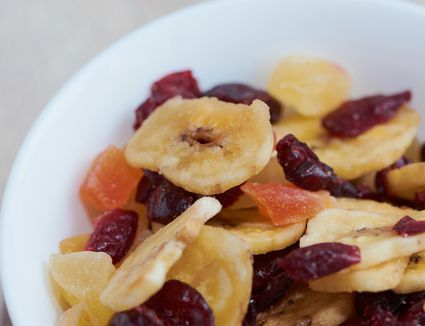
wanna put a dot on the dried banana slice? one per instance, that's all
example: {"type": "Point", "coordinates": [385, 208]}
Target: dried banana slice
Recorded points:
{"type": "Point", "coordinates": [306, 307]}
{"type": "Point", "coordinates": [378, 278]}
{"type": "Point", "coordinates": [414, 150]}
{"type": "Point", "coordinates": [260, 234]}
{"type": "Point", "coordinates": [370, 231]}
{"type": "Point", "coordinates": [312, 86]}
{"type": "Point", "coordinates": [218, 264]}
{"type": "Point", "coordinates": [144, 271]}
{"type": "Point", "coordinates": [353, 157]}
{"type": "Point", "coordinates": [413, 279]}
{"type": "Point", "coordinates": [370, 206]}
{"type": "Point", "coordinates": [204, 145]}
{"type": "Point", "coordinates": [407, 181]}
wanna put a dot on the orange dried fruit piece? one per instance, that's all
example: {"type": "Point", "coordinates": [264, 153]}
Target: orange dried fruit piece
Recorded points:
{"type": "Point", "coordinates": [75, 316]}
{"type": "Point", "coordinates": [82, 276]}
{"type": "Point", "coordinates": [73, 244]}
{"type": "Point", "coordinates": [110, 180]}
{"type": "Point", "coordinates": [286, 204]}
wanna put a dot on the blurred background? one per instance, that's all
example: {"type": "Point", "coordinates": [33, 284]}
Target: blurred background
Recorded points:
{"type": "Point", "coordinates": [44, 42]}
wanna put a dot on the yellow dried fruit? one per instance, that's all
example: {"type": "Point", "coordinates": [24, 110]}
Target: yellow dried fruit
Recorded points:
{"type": "Point", "coordinates": [218, 264]}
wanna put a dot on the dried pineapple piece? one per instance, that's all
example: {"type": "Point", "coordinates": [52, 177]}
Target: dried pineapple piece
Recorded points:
{"type": "Point", "coordinates": [75, 316]}
{"type": "Point", "coordinates": [73, 244]}
{"type": "Point", "coordinates": [82, 276]}
{"type": "Point", "coordinates": [312, 86]}
{"type": "Point", "coordinates": [204, 145]}
{"type": "Point", "coordinates": [218, 264]}
{"type": "Point", "coordinates": [144, 271]}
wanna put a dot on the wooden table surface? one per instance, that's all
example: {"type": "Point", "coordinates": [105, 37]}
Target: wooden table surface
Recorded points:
{"type": "Point", "coordinates": [44, 42]}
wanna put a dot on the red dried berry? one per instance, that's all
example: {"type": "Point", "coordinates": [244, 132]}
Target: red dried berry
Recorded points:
{"type": "Point", "coordinates": [240, 93]}
{"type": "Point", "coordinates": [414, 316]}
{"type": "Point", "coordinates": [303, 168]}
{"type": "Point", "coordinates": [318, 260]}
{"type": "Point", "coordinates": [270, 282]}
{"type": "Point", "coordinates": [229, 197]}
{"type": "Point", "coordinates": [139, 316]}
{"type": "Point", "coordinates": [420, 200]}
{"type": "Point", "coordinates": [168, 201]}
{"type": "Point", "coordinates": [353, 118]}
{"type": "Point", "coordinates": [147, 185]}
{"type": "Point", "coordinates": [381, 176]}
{"type": "Point", "coordinates": [175, 84]}
{"type": "Point", "coordinates": [114, 233]}
{"type": "Point", "coordinates": [408, 226]}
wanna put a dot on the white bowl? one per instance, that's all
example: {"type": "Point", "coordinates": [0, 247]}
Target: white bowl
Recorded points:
{"type": "Point", "coordinates": [381, 43]}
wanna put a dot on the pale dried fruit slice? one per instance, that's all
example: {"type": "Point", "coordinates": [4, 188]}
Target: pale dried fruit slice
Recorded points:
{"type": "Point", "coordinates": [204, 145]}
{"type": "Point", "coordinates": [413, 279]}
{"type": "Point", "coordinates": [370, 231]}
{"type": "Point", "coordinates": [414, 151]}
{"type": "Point", "coordinates": [218, 264]}
{"type": "Point", "coordinates": [75, 316]}
{"type": "Point", "coordinates": [371, 151]}
{"type": "Point", "coordinates": [367, 205]}
{"type": "Point", "coordinates": [312, 86]}
{"type": "Point", "coordinates": [378, 278]}
{"type": "Point", "coordinates": [74, 244]}
{"type": "Point", "coordinates": [406, 181]}
{"type": "Point", "coordinates": [82, 277]}
{"type": "Point", "coordinates": [144, 271]}
{"type": "Point", "coordinates": [260, 234]}
{"type": "Point", "coordinates": [306, 307]}
{"type": "Point", "coordinates": [306, 129]}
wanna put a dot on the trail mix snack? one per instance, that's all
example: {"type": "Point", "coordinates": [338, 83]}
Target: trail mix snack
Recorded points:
{"type": "Point", "coordinates": [241, 206]}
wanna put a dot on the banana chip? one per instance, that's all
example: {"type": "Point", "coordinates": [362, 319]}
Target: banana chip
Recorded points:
{"type": "Point", "coordinates": [144, 271]}
{"type": "Point", "coordinates": [353, 157]}
{"type": "Point", "coordinates": [218, 264]}
{"type": "Point", "coordinates": [260, 234]}
{"type": "Point", "coordinates": [204, 145]}
{"type": "Point", "coordinates": [406, 181]}
{"type": "Point", "coordinates": [370, 206]}
{"type": "Point", "coordinates": [378, 278]}
{"type": "Point", "coordinates": [413, 279]}
{"type": "Point", "coordinates": [370, 231]}
{"type": "Point", "coordinates": [306, 307]}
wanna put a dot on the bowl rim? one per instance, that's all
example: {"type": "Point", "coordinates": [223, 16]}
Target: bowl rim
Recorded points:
{"type": "Point", "coordinates": [24, 153]}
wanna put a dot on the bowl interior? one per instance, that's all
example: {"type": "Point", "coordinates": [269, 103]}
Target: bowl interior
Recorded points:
{"type": "Point", "coordinates": [379, 42]}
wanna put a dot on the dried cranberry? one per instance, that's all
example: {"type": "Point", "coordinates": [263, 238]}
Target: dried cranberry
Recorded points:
{"type": "Point", "coordinates": [139, 316]}
{"type": "Point", "coordinates": [303, 168]}
{"type": "Point", "coordinates": [366, 192]}
{"type": "Point", "coordinates": [177, 303]}
{"type": "Point", "coordinates": [240, 93]}
{"type": "Point", "coordinates": [168, 201]}
{"type": "Point", "coordinates": [229, 197]}
{"type": "Point", "coordinates": [147, 185]}
{"type": "Point", "coordinates": [420, 199]}
{"type": "Point", "coordinates": [270, 282]}
{"type": "Point", "coordinates": [408, 226]}
{"type": "Point", "coordinates": [353, 118]}
{"type": "Point", "coordinates": [251, 315]}
{"type": "Point", "coordinates": [318, 260]}
{"type": "Point", "coordinates": [114, 233]}
{"type": "Point", "coordinates": [381, 176]}
{"type": "Point", "coordinates": [415, 315]}
{"type": "Point", "coordinates": [175, 84]}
